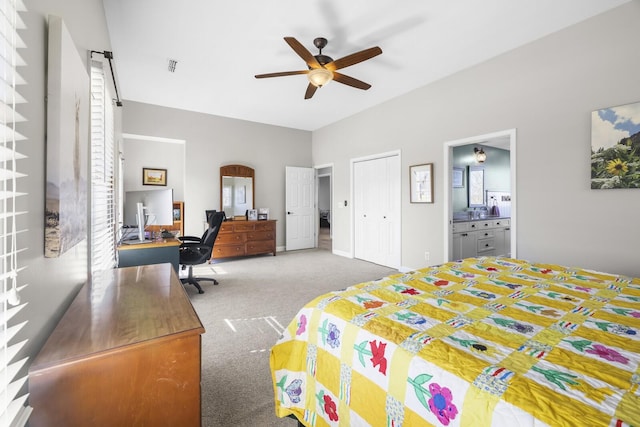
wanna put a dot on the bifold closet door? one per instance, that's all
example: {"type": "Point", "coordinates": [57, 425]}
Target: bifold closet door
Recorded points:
{"type": "Point", "coordinates": [377, 210]}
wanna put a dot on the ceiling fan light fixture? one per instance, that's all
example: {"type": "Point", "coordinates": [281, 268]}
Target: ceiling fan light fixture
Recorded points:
{"type": "Point", "coordinates": [319, 76]}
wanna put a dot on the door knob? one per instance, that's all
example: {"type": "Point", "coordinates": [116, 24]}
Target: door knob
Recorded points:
{"type": "Point", "coordinates": [289, 213]}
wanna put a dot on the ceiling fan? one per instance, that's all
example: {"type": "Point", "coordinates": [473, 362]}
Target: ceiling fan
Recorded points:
{"type": "Point", "coordinates": [322, 68]}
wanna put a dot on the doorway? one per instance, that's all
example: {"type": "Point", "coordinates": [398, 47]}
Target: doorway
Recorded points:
{"type": "Point", "coordinates": [323, 192]}
{"type": "Point", "coordinates": [505, 139]}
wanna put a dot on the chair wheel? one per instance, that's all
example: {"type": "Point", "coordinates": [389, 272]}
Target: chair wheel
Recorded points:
{"type": "Point", "coordinates": [200, 291]}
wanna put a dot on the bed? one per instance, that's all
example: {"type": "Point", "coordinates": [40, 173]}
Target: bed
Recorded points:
{"type": "Point", "coordinates": [486, 341]}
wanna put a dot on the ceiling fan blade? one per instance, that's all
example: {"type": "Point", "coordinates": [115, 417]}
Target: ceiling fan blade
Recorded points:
{"type": "Point", "coordinates": [311, 89]}
{"type": "Point", "coordinates": [280, 74]}
{"type": "Point", "coordinates": [302, 52]}
{"type": "Point", "coordinates": [350, 81]}
{"type": "Point", "coordinates": [354, 58]}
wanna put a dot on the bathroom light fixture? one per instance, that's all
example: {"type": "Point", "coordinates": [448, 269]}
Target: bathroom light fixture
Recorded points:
{"type": "Point", "coordinates": [319, 76]}
{"type": "Point", "coordinates": [480, 155]}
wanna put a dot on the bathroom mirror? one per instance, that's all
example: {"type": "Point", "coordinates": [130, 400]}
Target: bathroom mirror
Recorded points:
{"type": "Point", "coordinates": [236, 189]}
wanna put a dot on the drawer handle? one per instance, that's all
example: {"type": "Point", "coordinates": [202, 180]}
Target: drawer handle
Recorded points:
{"type": "Point", "coordinates": [486, 245]}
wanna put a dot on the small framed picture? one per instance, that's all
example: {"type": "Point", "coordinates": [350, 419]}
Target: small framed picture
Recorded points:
{"type": "Point", "coordinates": [421, 179]}
{"type": "Point", "coordinates": [252, 214]}
{"type": "Point", "coordinates": [457, 178]}
{"type": "Point", "coordinates": [263, 213]}
{"type": "Point", "coordinates": [154, 176]}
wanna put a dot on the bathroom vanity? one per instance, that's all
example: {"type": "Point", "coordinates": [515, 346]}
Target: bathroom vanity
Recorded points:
{"type": "Point", "coordinates": [482, 237]}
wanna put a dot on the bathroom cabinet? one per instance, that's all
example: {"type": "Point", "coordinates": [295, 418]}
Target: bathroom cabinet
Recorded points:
{"type": "Point", "coordinates": [484, 237]}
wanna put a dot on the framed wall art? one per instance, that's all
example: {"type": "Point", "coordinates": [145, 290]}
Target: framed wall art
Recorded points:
{"type": "Point", "coordinates": [615, 147]}
{"type": "Point", "coordinates": [154, 176]}
{"type": "Point", "coordinates": [457, 178]}
{"type": "Point", "coordinates": [67, 144]}
{"type": "Point", "coordinates": [421, 182]}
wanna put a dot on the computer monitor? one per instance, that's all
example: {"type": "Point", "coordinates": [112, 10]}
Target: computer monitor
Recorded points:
{"type": "Point", "coordinates": [148, 207]}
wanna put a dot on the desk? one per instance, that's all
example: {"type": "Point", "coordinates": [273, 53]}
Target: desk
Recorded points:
{"type": "Point", "coordinates": [127, 352]}
{"type": "Point", "coordinates": [150, 253]}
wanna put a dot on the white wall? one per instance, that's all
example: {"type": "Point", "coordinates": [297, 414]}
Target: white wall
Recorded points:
{"type": "Point", "coordinates": [213, 141]}
{"type": "Point", "coordinates": [139, 154]}
{"type": "Point", "coordinates": [546, 91]}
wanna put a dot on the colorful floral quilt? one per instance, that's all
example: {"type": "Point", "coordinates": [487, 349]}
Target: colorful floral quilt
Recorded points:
{"type": "Point", "coordinates": [479, 342]}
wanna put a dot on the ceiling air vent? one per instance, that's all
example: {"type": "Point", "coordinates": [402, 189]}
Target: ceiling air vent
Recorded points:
{"type": "Point", "coordinates": [172, 65]}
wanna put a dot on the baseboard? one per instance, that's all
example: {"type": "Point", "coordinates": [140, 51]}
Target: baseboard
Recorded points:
{"type": "Point", "coordinates": [342, 253]}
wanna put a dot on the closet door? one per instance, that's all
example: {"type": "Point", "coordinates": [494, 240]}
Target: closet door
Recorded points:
{"type": "Point", "coordinates": [377, 210]}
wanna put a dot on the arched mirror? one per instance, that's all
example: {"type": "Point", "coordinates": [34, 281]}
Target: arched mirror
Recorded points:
{"type": "Point", "coordinates": [236, 189]}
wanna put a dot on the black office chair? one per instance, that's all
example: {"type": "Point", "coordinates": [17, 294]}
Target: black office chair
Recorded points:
{"type": "Point", "coordinates": [194, 250]}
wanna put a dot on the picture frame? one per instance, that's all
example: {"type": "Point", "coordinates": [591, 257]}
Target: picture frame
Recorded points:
{"type": "Point", "coordinates": [421, 183]}
{"type": "Point", "coordinates": [252, 214]}
{"type": "Point", "coordinates": [154, 176]}
{"type": "Point", "coordinates": [68, 145]}
{"type": "Point", "coordinates": [614, 134]}
{"type": "Point", "coordinates": [263, 214]}
{"type": "Point", "coordinates": [457, 178]}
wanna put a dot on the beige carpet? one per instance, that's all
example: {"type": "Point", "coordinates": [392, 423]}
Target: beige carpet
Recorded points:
{"type": "Point", "coordinates": [244, 316]}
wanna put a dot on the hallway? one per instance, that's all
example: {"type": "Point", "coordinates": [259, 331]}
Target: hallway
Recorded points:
{"type": "Point", "coordinates": [324, 238]}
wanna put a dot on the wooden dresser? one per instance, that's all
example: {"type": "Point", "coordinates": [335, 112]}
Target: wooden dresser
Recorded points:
{"type": "Point", "coordinates": [125, 353]}
{"type": "Point", "coordinates": [240, 238]}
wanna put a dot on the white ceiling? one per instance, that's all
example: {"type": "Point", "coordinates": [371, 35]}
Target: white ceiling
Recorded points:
{"type": "Point", "coordinates": [221, 45]}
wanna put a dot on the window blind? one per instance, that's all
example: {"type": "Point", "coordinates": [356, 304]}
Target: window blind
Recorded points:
{"type": "Point", "coordinates": [13, 411]}
{"type": "Point", "coordinates": [103, 213]}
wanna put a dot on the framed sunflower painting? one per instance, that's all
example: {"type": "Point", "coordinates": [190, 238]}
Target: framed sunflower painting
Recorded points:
{"type": "Point", "coordinates": [615, 147]}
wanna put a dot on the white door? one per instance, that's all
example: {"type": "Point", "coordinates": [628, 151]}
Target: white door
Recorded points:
{"type": "Point", "coordinates": [377, 210]}
{"type": "Point", "coordinates": [300, 199]}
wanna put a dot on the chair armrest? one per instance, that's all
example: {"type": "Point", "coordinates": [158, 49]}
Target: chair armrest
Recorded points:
{"type": "Point", "coordinates": [189, 239]}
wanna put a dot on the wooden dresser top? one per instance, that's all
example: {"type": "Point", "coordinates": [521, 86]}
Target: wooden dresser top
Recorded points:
{"type": "Point", "coordinates": [125, 307]}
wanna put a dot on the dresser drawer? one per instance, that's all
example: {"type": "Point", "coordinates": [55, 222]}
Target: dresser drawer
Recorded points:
{"type": "Point", "coordinates": [265, 226]}
{"type": "Point", "coordinates": [260, 247]}
{"type": "Point", "coordinates": [230, 238]}
{"type": "Point", "coordinates": [226, 227]}
{"type": "Point", "coordinates": [228, 251]}
{"type": "Point", "coordinates": [260, 235]}
{"type": "Point", "coordinates": [242, 226]}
